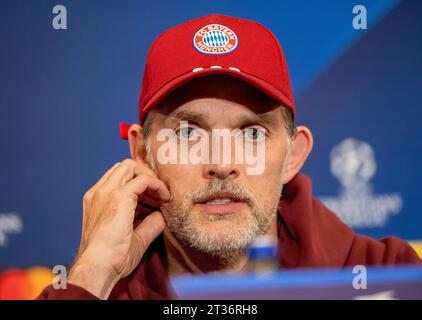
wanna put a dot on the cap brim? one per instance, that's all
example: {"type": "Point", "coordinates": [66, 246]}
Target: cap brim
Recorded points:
{"type": "Point", "coordinates": [176, 82]}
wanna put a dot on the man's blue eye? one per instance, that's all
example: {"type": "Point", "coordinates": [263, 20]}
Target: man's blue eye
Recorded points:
{"type": "Point", "coordinates": [187, 133]}
{"type": "Point", "coordinates": [255, 134]}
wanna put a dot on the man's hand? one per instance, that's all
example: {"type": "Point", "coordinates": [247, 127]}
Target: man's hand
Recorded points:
{"type": "Point", "coordinates": [110, 247]}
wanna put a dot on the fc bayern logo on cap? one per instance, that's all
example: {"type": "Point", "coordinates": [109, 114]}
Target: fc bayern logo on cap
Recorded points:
{"type": "Point", "coordinates": [215, 39]}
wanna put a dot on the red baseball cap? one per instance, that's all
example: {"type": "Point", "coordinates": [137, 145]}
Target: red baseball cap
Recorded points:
{"type": "Point", "coordinates": [215, 44]}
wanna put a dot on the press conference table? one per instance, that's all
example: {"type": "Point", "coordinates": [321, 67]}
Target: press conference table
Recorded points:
{"type": "Point", "coordinates": [360, 283]}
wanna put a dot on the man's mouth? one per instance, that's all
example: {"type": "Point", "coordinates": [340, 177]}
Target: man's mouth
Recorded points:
{"type": "Point", "coordinates": [221, 203]}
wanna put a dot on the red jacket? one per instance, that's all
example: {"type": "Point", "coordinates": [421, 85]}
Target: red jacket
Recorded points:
{"type": "Point", "coordinates": [310, 235]}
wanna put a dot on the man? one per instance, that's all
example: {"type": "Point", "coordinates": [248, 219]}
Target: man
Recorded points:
{"type": "Point", "coordinates": [204, 78]}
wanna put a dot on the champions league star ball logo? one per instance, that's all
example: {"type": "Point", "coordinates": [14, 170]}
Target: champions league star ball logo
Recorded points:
{"type": "Point", "coordinates": [215, 39]}
{"type": "Point", "coordinates": [353, 164]}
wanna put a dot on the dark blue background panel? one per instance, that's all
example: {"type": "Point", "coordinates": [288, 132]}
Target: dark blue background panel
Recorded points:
{"type": "Point", "coordinates": [63, 93]}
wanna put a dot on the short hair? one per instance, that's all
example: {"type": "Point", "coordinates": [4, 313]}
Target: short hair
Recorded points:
{"type": "Point", "coordinates": [146, 126]}
{"type": "Point", "coordinates": [289, 123]}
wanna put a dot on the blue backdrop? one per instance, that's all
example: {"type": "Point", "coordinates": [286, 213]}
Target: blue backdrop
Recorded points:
{"type": "Point", "coordinates": [64, 92]}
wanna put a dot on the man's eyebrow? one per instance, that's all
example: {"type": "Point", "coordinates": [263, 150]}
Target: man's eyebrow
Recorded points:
{"type": "Point", "coordinates": [185, 116]}
{"type": "Point", "coordinates": [261, 118]}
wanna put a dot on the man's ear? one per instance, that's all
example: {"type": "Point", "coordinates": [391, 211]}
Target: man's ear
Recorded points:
{"type": "Point", "coordinates": [300, 149]}
{"type": "Point", "coordinates": [136, 143]}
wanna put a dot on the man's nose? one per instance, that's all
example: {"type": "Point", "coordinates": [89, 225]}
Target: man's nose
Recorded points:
{"type": "Point", "coordinates": [221, 171]}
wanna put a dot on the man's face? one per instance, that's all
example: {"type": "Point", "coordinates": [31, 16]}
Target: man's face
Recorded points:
{"type": "Point", "coordinates": [218, 208]}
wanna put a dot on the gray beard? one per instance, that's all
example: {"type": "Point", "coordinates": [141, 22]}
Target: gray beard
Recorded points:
{"type": "Point", "coordinates": [224, 245]}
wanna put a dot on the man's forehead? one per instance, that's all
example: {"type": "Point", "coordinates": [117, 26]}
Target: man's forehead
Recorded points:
{"type": "Point", "coordinates": [202, 112]}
